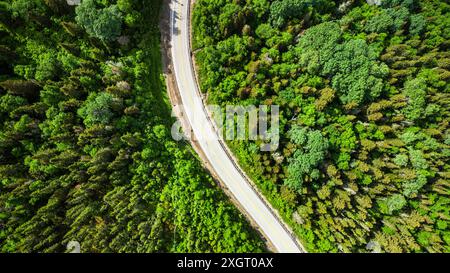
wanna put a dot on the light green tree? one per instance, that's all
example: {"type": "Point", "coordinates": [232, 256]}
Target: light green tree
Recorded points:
{"type": "Point", "coordinates": [311, 149]}
{"type": "Point", "coordinates": [104, 24]}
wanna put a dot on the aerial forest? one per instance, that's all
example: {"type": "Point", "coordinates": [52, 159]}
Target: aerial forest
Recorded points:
{"type": "Point", "coordinates": [86, 153]}
{"type": "Point", "coordinates": [363, 90]}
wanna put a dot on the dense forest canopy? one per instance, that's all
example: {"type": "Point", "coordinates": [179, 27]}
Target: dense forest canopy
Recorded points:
{"type": "Point", "coordinates": [85, 148]}
{"type": "Point", "coordinates": [364, 93]}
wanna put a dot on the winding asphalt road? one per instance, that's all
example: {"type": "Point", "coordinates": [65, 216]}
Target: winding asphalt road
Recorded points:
{"type": "Point", "coordinates": [209, 141]}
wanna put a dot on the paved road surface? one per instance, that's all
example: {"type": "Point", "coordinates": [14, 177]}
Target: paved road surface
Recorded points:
{"type": "Point", "coordinates": [208, 140]}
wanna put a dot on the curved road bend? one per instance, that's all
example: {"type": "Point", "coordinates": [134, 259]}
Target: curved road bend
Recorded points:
{"type": "Point", "coordinates": [209, 141]}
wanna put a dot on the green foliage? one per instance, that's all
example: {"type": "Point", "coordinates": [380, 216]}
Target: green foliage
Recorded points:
{"type": "Point", "coordinates": [265, 31]}
{"type": "Point", "coordinates": [393, 204]}
{"type": "Point", "coordinates": [57, 6]}
{"type": "Point", "coordinates": [413, 186]}
{"type": "Point", "coordinates": [97, 110]}
{"type": "Point", "coordinates": [318, 45]}
{"type": "Point", "coordinates": [281, 11]}
{"type": "Point", "coordinates": [371, 81]}
{"type": "Point", "coordinates": [410, 4]}
{"type": "Point", "coordinates": [417, 24]}
{"type": "Point", "coordinates": [85, 149]}
{"type": "Point", "coordinates": [104, 24]}
{"type": "Point", "coordinates": [27, 8]}
{"type": "Point", "coordinates": [47, 67]}
{"type": "Point", "coordinates": [311, 151]}
{"type": "Point", "coordinates": [417, 160]}
{"type": "Point", "coordinates": [355, 73]}
{"type": "Point", "coordinates": [388, 20]}
{"type": "Point", "coordinates": [23, 88]}
{"type": "Point", "coordinates": [415, 90]}
{"type": "Point", "coordinates": [401, 160]}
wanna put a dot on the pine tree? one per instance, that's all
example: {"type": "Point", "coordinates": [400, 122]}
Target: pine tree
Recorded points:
{"type": "Point", "coordinates": [71, 28]}
{"type": "Point", "coordinates": [24, 88]}
{"type": "Point", "coordinates": [58, 6]}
